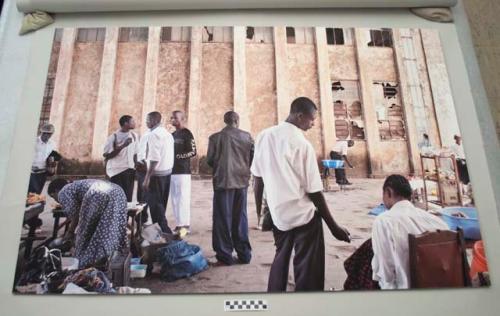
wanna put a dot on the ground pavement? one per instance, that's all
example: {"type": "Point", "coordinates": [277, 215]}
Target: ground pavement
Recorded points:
{"type": "Point", "coordinates": [349, 208]}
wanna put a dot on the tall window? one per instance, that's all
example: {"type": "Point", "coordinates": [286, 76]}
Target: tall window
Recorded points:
{"type": "Point", "coordinates": [175, 34]}
{"type": "Point", "coordinates": [217, 34]}
{"type": "Point", "coordinates": [389, 111]}
{"type": "Point", "coordinates": [89, 35]}
{"type": "Point", "coordinates": [300, 35]}
{"type": "Point", "coordinates": [348, 110]}
{"type": "Point", "coordinates": [339, 36]}
{"type": "Point", "coordinates": [133, 34]}
{"type": "Point", "coordinates": [263, 35]}
{"type": "Point", "coordinates": [380, 38]}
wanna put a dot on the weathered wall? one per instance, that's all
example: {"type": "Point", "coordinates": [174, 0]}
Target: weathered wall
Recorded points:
{"type": "Point", "coordinates": [54, 56]}
{"type": "Point", "coordinates": [261, 86]}
{"type": "Point", "coordinates": [380, 64]}
{"type": "Point", "coordinates": [303, 80]}
{"type": "Point", "coordinates": [395, 157]}
{"type": "Point", "coordinates": [173, 78]}
{"type": "Point", "coordinates": [129, 83]}
{"type": "Point", "coordinates": [216, 91]}
{"type": "Point", "coordinates": [76, 138]}
{"type": "Point", "coordinates": [358, 157]}
{"type": "Point", "coordinates": [342, 62]}
{"type": "Point", "coordinates": [442, 96]}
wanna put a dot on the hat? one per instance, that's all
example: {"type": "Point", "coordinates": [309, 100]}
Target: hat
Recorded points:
{"type": "Point", "coordinates": [47, 128]}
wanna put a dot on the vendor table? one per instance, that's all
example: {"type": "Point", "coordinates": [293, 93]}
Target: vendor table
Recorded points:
{"type": "Point", "coordinates": [31, 219]}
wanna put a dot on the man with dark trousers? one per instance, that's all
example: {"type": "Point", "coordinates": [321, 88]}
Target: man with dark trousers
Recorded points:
{"type": "Point", "coordinates": [230, 154]}
{"type": "Point", "coordinates": [160, 161]}
{"type": "Point", "coordinates": [286, 163]}
{"type": "Point", "coordinates": [120, 152]}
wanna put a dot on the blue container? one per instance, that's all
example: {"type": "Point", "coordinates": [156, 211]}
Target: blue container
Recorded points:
{"type": "Point", "coordinates": [334, 164]}
{"type": "Point", "coordinates": [469, 225]}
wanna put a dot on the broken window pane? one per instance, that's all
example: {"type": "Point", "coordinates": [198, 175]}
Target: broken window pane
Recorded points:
{"type": "Point", "coordinates": [290, 35]}
{"type": "Point", "coordinates": [380, 38]}
{"type": "Point", "coordinates": [250, 32]}
{"type": "Point", "coordinates": [348, 110]}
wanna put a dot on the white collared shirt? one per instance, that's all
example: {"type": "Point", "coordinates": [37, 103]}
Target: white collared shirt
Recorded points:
{"type": "Point", "coordinates": [286, 161]}
{"type": "Point", "coordinates": [458, 151]}
{"type": "Point", "coordinates": [390, 263]}
{"type": "Point", "coordinates": [125, 158]}
{"type": "Point", "coordinates": [160, 148]}
{"type": "Point", "coordinates": [42, 152]}
{"type": "Point", "coordinates": [341, 147]}
{"type": "Point", "coordinates": [142, 147]}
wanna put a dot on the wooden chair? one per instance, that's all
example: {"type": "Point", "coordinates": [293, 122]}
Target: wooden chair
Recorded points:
{"type": "Point", "coordinates": [438, 259]}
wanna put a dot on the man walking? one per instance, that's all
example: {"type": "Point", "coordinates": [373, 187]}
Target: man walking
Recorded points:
{"type": "Point", "coordinates": [180, 186]}
{"type": "Point", "coordinates": [230, 154]}
{"type": "Point", "coordinates": [160, 161]}
{"type": "Point", "coordinates": [286, 163]}
{"type": "Point", "coordinates": [120, 153]}
{"type": "Point", "coordinates": [339, 152]}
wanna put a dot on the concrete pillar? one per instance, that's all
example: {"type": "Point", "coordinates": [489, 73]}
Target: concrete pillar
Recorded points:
{"type": "Point", "coordinates": [440, 85]}
{"type": "Point", "coordinates": [407, 103]}
{"type": "Point", "coordinates": [325, 91]}
{"type": "Point", "coordinates": [151, 75]}
{"type": "Point", "coordinates": [195, 67]}
{"type": "Point", "coordinates": [363, 56]}
{"type": "Point", "coordinates": [194, 99]}
{"type": "Point", "coordinates": [105, 93]}
{"type": "Point", "coordinates": [282, 85]}
{"type": "Point", "coordinates": [61, 83]}
{"type": "Point", "coordinates": [239, 77]}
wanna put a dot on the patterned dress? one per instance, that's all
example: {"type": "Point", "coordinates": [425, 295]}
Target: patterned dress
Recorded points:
{"type": "Point", "coordinates": [102, 210]}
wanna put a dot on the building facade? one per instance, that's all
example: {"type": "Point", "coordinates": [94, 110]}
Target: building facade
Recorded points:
{"type": "Point", "coordinates": [383, 88]}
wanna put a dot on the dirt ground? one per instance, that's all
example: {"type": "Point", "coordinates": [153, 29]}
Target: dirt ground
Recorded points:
{"type": "Point", "coordinates": [349, 207]}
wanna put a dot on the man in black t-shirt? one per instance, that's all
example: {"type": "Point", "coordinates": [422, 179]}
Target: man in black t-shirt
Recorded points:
{"type": "Point", "coordinates": [180, 183]}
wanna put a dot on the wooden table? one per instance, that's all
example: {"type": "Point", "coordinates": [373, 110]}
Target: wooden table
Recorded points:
{"type": "Point", "coordinates": [31, 219]}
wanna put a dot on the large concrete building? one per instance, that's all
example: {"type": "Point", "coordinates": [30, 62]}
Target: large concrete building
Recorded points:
{"type": "Point", "coordinates": [383, 88]}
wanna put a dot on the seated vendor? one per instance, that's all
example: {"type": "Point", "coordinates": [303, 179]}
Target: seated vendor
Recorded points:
{"type": "Point", "coordinates": [97, 211]}
{"type": "Point", "coordinates": [383, 261]}
{"type": "Point", "coordinates": [390, 263]}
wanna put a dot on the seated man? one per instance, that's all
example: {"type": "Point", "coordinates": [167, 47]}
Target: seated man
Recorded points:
{"type": "Point", "coordinates": [390, 263]}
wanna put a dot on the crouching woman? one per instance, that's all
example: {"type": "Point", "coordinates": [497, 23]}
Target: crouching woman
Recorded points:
{"type": "Point", "coordinates": [97, 211]}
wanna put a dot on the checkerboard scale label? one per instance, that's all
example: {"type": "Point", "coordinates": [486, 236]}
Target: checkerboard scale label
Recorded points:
{"type": "Point", "coordinates": [245, 305]}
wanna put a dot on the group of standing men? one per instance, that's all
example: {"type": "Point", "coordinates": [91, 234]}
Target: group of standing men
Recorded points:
{"type": "Point", "coordinates": [160, 161]}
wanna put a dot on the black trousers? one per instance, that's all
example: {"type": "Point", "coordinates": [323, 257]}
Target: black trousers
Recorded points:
{"type": "Point", "coordinates": [230, 225]}
{"type": "Point", "coordinates": [309, 261]}
{"type": "Point", "coordinates": [125, 180]}
{"type": "Point", "coordinates": [37, 181]}
{"type": "Point", "coordinates": [141, 194]}
{"type": "Point", "coordinates": [340, 176]}
{"type": "Point", "coordinates": [463, 172]}
{"type": "Point", "coordinates": [157, 198]}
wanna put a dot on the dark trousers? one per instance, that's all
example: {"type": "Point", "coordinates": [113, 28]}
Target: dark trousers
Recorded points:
{"type": "Point", "coordinates": [309, 260]}
{"type": "Point", "coordinates": [463, 172]}
{"type": "Point", "coordinates": [125, 180]}
{"type": "Point", "coordinates": [37, 181]}
{"type": "Point", "coordinates": [230, 226]}
{"type": "Point", "coordinates": [141, 194]}
{"type": "Point", "coordinates": [157, 198]}
{"type": "Point", "coordinates": [340, 176]}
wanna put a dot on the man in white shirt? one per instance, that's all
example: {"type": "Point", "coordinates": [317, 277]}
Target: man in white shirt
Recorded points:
{"type": "Point", "coordinates": [160, 161]}
{"type": "Point", "coordinates": [120, 152]}
{"type": "Point", "coordinates": [457, 149]}
{"type": "Point", "coordinates": [287, 164]}
{"type": "Point", "coordinates": [390, 263]}
{"type": "Point", "coordinates": [339, 152]}
{"type": "Point", "coordinates": [44, 158]}
{"type": "Point", "coordinates": [141, 168]}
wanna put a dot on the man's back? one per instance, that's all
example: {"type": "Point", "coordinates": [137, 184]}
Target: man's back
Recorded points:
{"type": "Point", "coordinates": [230, 153]}
{"type": "Point", "coordinates": [287, 163]}
{"type": "Point", "coordinates": [390, 242]}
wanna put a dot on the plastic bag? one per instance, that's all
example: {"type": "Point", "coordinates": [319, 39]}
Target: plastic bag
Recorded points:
{"type": "Point", "coordinates": [180, 260]}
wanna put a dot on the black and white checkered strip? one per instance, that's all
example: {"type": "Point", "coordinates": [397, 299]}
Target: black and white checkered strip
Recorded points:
{"type": "Point", "coordinates": [245, 305]}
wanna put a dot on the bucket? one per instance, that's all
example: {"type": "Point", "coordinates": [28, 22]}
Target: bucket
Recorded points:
{"type": "Point", "coordinates": [479, 263]}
